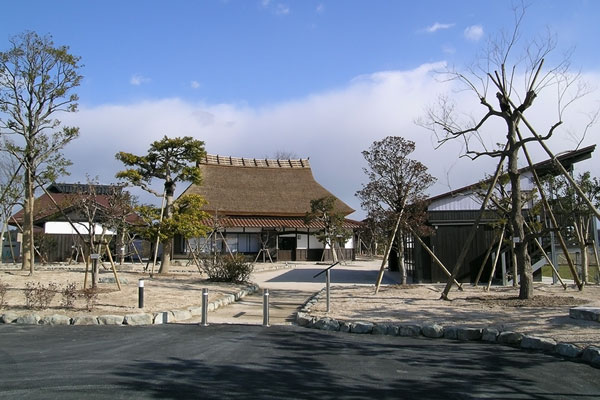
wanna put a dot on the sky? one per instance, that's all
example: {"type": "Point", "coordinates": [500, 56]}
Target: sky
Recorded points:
{"type": "Point", "coordinates": [318, 79]}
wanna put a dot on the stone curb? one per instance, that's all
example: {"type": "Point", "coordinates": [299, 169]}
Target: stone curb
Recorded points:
{"type": "Point", "coordinates": [589, 354]}
{"type": "Point", "coordinates": [161, 317]}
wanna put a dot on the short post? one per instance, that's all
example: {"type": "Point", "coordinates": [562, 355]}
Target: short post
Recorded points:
{"type": "Point", "coordinates": [204, 307]}
{"type": "Point", "coordinates": [266, 307]}
{"type": "Point", "coordinates": [327, 284]}
{"type": "Point", "coordinates": [141, 293]}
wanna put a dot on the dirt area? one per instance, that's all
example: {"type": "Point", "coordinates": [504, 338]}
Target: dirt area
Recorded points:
{"type": "Point", "coordinates": [178, 290]}
{"type": "Point", "coordinates": [546, 315]}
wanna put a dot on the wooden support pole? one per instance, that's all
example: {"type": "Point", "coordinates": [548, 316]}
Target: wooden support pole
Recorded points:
{"type": "Point", "coordinates": [497, 256]}
{"type": "Point", "coordinates": [386, 255]}
{"type": "Point", "coordinates": [537, 242]}
{"type": "Point", "coordinates": [112, 265]}
{"type": "Point", "coordinates": [434, 257]}
{"type": "Point", "coordinates": [87, 266]}
{"type": "Point", "coordinates": [485, 259]}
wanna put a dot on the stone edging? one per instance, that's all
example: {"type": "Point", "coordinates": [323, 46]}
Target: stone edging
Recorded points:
{"type": "Point", "coordinates": [590, 355]}
{"type": "Point", "coordinates": [161, 317]}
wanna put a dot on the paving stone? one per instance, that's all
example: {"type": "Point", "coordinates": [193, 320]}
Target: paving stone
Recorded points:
{"type": "Point", "coordinates": [512, 338]}
{"type": "Point", "coordinates": [361, 327]}
{"type": "Point", "coordinates": [138, 319]}
{"type": "Point", "coordinates": [537, 343]}
{"type": "Point", "coordinates": [468, 333]}
{"type": "Point", "coordinates": [568, 350]}
{"type": "Point", "coordinates": [28, 319]}
{"type": "Point", "coordinates": [9, 317]}
{"type": "Point", "coordinates": [409, 330]}
{"type": "Point", "coordinates": [85, 320]}
{"type": "Point", "coordinates": [56, 319]}
{"type": "Point", "coordinates": [433, 331]}
{"type": "Point", "coordinates": [489, 335]}
{"type": "Point", "coordinates": [110, 319]}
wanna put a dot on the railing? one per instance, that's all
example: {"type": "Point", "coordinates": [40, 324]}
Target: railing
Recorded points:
{"type": "Point", "coordinates": [327, 279]}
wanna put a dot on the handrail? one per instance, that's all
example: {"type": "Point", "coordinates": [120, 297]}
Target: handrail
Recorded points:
{"type": "Point", "coordinates": [327, 269]}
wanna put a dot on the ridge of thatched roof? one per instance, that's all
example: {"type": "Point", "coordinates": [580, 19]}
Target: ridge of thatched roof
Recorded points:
{"type": "Point", "coordinates": [259, 187]}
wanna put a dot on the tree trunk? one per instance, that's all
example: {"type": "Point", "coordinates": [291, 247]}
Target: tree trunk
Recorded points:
{"type": "Point", "coordinates": [333, 252]}
{"type": "Point", "coordinates": [516, 216]}
{"type": "Point", "coordinates": [401, 263]}
{"type": "Point", "coordinates": [513, 255]}
{"type": "Point", "coordinates": [28, 256]}
{"type": "Point", "coordinates": [165, 260]}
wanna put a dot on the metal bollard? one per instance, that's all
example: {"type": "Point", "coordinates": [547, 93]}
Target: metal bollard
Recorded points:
{"type": "Point", "coordinates": [328, 284]}
{"type": "Point", "coordinates": [266, 307]}
{"type": "Point", "coordinates": [204, 307]}
{"type": "Point", "coordinates": [141, 293]}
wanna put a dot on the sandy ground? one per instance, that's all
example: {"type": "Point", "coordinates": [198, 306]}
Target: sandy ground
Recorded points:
{"type": "Point", "coordinates": [178, 290]}
{"type": "Point", "coordinates": [547, 315]}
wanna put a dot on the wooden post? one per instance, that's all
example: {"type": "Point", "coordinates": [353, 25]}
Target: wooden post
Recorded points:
{"type": "Point", "coordinates": [386, 255]}
{"type": "Point", "coordinates": [435, 259]}
{"type": "Point", "coordinates": [497, 255]}
{"type": "Point", "coordinates": [112, 265]}
{"type": "Point", "coordinates": [87, 265]}
{"type": "Point", "coordinates": [487, 256]}
{"type": "Point", "coordinates": [550, 263]}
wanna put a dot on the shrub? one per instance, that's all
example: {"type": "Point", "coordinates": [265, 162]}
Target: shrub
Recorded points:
{"type": "Point", "coordinates": [38, 295]}
{"type": "Point", "coordinates": [90, 295]}
{"type": "Point", "coordinates": [227, 268]}
{"type": "Point", "coordinates": [69, 295]}
{"type": "Point", "coordinates": [3, 290]}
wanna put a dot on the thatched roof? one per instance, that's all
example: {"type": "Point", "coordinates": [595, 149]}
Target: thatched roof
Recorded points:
{"type": "Point", "coordinates": [259, 187]}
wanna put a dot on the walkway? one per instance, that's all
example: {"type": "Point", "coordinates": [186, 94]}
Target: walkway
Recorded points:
{"type": "Point", "coordinates": [289, 289]}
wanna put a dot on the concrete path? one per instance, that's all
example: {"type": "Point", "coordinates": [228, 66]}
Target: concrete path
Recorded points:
{"type": "Point", "coordinates": [290, 288]}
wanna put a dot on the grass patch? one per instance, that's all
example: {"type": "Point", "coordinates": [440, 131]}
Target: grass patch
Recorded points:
{"type": "Point", "coordinates": [565, 272]}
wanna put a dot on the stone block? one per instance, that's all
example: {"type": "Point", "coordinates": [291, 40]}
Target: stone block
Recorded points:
{"type": "Point", "coordinates": [138, 319]}
{"type": "Point", "coordinates": [568, 350]}
{"type": "Point", "coordinates": [361, 327]}
{"type": "Point", "coordinates": [28, 319]}
{"type": "Point", "coordinates": [468, 334]}
{"type": "Point", "coordinates": [327, 324]}
{"type": "Point", "coordinates": [585, 313]}
{"type": "Point", "coordinates": [345, 327]}
{"type": "Point", "coordinates": [303, 319]}
{"type": "Point", "coordinates": [85, 320]}
{"type": "Point", "coordinates": [433, 331]}
{"type": "Point", "coordinates": [537, 343]}
{"type": "Point", "coordinates": [181, 315]}
{"type": "Point", "coordinates": [195, 311]}
{"type": "Point", "coordinates": [380, 329]}
{"type": "Point", "coordinates": [489, 335]}
{"type": "Point", "coordinates": [110, 319]}
{"type": "Point", "coordinates": [591, 355]}
{"type": "Point", "coordinates": [56, 319]}
{"type": "Point", "coordinates": [512, 338]}
{"type": "Point", "coordinates": [409, 330]}
{"type": "Point", "coordinates": [451, 332]}
{"type": "Point", "coordinates": [393, 330]}
{"type": "Point", "coordinates": [9, 317]}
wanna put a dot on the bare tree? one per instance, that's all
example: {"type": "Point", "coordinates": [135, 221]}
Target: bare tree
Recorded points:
{"type": "Point", "coordinates": [396, 189]}
{"type": "Point", "coordinates": [517, 80]}
{"type": "Point", "coordinates": [36, 80]}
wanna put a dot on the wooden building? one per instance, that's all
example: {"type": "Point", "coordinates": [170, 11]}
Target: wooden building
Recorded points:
{"type": "Point", "coordinates": [260, 204]}
{"type": "Point", "coordinates": [56, 239]}
{"type": "Point", "coordinates": [452, 215]}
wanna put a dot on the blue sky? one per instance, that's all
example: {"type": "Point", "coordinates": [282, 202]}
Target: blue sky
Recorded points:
{"type": "Point", "coordinates": [321, 79]}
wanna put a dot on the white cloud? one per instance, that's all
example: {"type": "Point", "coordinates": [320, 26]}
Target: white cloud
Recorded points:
{"type": "Point", "coordinates": [138, 80]}
{"type": "Point", "coordinates": [331, 128]}
{"type": "Point", "coordinates": [195, 84]}
{"type": "Point", "coordinates": [438, 26]}
{"type": "Point", "coordinates": [473, 33]}
{"type": "Point", "coordinates": [320, 8]}
{"type": "Point", "coordinates": [282, 9]}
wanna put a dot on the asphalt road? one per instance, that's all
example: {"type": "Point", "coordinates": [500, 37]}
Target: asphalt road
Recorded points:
{"type": "Point", "coordinates": [252, 362]}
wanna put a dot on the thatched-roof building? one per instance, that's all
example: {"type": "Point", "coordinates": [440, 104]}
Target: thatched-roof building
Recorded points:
{"type": "Point", "coordinates": [261, 203]}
